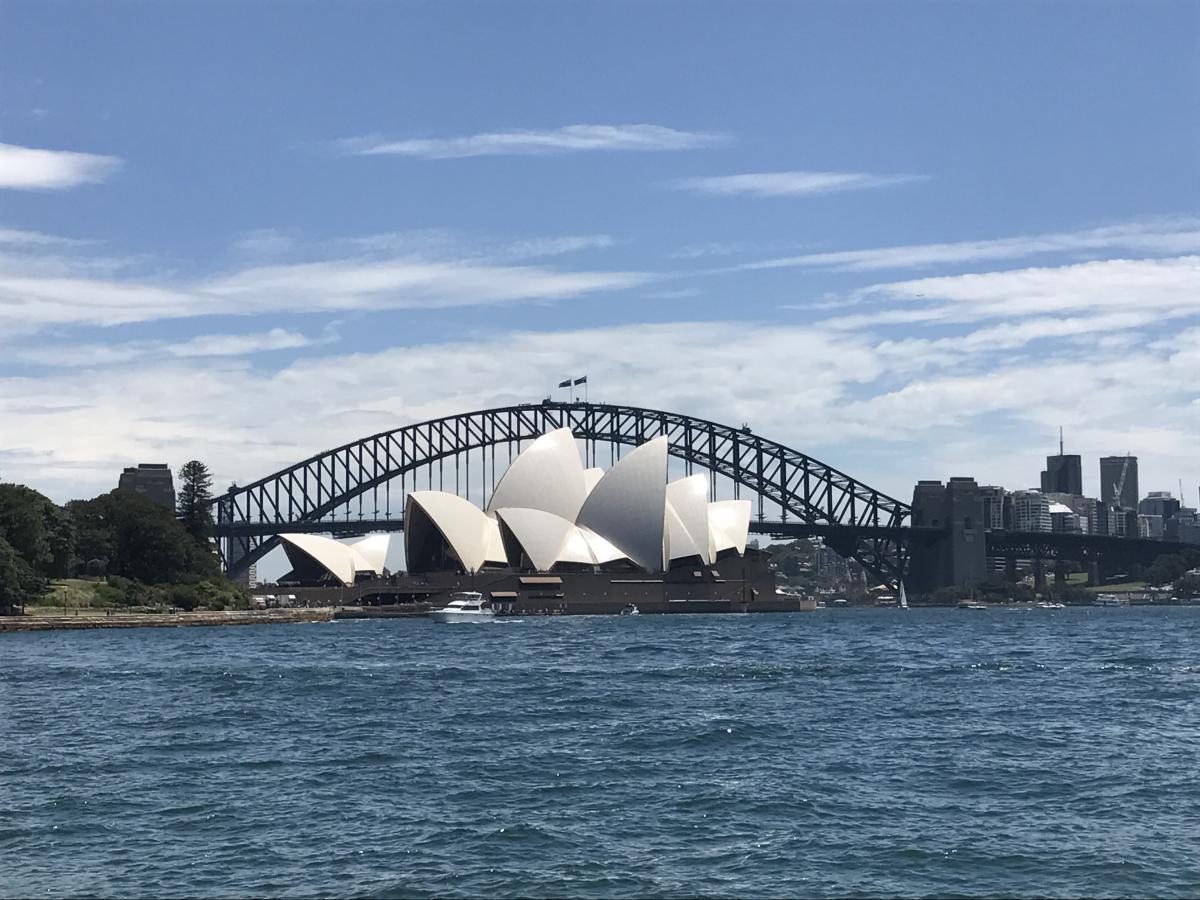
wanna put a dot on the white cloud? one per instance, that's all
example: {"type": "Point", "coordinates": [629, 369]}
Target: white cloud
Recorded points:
{"type": "Point", "coordinates": [789, 184]}
{"type": "Point", "coordinates": [536, 248]}
{"type": "Point", "coordinates": [28, 168]}
{"type": "Point", "coordinates": [35, 239]}
{"type": "Point", "coordinates": [265, 243]}
{"type": "Point", "coordinates": [243, 344]}
{"type": "Point", "coordinates": [1170, 237]}
{"type": "Point", "coordinates": [442, 244]}
{"type": "Point", "coordinates": [62, 355]}
{"type": "Point", "coordinates": [53, 294]}
{"type": "Point", "coordinates": [1169, 287]}
{"type": "Point", "coordinates": [846, 398]}
{"type": "Point", "coordinates": [403, 284]}
{"type": "Point", "coordinates": [569, 139]}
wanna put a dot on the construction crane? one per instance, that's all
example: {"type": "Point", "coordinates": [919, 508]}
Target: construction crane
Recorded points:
{"type": "Point", "coordinates": [1119, 487]}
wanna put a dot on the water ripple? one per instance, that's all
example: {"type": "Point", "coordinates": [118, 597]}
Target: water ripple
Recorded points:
{"type": "Point", "coordinates": [862, 753]}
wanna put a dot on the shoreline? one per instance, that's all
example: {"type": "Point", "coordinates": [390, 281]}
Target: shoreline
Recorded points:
{"type": "Point", "coordinates": [164, 620]}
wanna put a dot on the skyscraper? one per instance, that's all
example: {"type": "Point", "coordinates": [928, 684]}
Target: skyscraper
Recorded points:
{"type": "Point", "coordinates": [1119, 481]}
{"type": "Point", "coordinates": [1064, 473]}
{"type": "Point", "coordinates": [152, 479]}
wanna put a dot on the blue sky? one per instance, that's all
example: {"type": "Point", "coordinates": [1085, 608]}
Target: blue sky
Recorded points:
{"type": "Point", "coordinates": [910, 239]}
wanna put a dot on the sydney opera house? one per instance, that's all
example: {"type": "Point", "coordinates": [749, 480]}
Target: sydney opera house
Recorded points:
{"type": "Point", "coordinates": [556, 537]}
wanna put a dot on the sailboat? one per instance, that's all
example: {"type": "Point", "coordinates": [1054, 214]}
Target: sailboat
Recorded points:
{"type": "Point", "coordinates": [903, 597]}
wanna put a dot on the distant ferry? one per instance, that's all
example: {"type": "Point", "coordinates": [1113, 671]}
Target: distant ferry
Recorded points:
{"type": "Point", "coordinates": [1111, 600]}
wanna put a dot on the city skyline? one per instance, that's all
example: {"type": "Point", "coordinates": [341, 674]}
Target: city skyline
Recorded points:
{"type": "Point", "coordinates": [863, 235]}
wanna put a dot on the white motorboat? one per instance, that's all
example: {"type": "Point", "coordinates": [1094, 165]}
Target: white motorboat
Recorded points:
{"type": "Point", "coordinates": [630, 609]}
{"type": "Point", "coordinates": [1111, 600]}
{"type": "Point", "coordinates": [464, 606]}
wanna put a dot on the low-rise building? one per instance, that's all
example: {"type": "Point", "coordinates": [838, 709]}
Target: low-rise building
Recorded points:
{"type": "Point", "coordinates": [1150, 527]}
{"type": "Point", "coordinates": [1159, 503]}
{"type": "Point", "coordinates": [1063, 520]}
{"type": "Point", "coordinates": [1031, 511]}
{"type": "Point", "coordinates": [1183, 527]}
{"type": "Point", "coordinates": [993, 506]}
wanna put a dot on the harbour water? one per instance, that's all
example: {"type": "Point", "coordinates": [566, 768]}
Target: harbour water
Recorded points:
{"type": "Point", "coordinates": [1017, 752]}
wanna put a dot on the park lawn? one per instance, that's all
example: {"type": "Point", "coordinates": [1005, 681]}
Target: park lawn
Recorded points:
{"type": "Point", "coordinates": [1121, 588]}
{"type": "Point", "coordinates": [71, 593]}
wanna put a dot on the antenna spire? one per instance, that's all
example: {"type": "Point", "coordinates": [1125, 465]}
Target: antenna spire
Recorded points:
{"type": "Point", "coordinates": [1060, 441]}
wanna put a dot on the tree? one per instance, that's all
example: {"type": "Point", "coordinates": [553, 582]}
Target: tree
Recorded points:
{"type": "Point", "coordinates": [40, 532]}
{"type": "Point", "coordinates": [195, 499]}
{"type": "Point", "coordinates": [140, 539]}
{"type": "Point", "coordinates": [19, 584]}
{"type": "Point", "coordinates": [1170, 567]}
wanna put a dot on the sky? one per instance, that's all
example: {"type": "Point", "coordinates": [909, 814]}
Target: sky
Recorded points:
{"type": "Point", "coordinates": [911, 240]}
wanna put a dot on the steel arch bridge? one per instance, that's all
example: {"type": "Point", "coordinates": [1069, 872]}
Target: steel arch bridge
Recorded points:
{"type": "Point", "coordinates": [807, 496]}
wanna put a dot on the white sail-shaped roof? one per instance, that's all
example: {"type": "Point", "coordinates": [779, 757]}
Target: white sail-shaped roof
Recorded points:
{"type": "Point", "coordinates": [374, 549]}
{"type": "Point", "coordinates": [547, 475]}
{"type": "Point", "coordinates": [688, 498]}
{"type": "Point", "coordinates": [729, 525]}
{"type": "Point", "coordinates": [542, 535]}
{"type": "Point", "coordinates": [577, 548]}
{"type": "Point", "coordinates": [679, 542]}
{"type": "Point", "coordinates": [591, 478]}
{"type": "Point", "coordinates": [473, 536]}
{"type": "Point", "coordinates": [627, 506]}
{"type": "Point", "coordinates": [602, 551]}
{"type": "Point", "coordinates": [338, 559]}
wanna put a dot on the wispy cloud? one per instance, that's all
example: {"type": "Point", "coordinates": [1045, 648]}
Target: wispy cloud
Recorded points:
{"type": "Point", "coordinates": [1166, 287]}
{"type": "Point", "coordinates": [205, 345]}
{"type": "Point", "coordinates": [29, 168]}
{"type": "Point", "coordinates": [265, 243]}
{"type": "Point", "coordinates": [60, 290]}
{"type": "Point", "coordinates": [789, 184]}
{"type": "Point", "coordinates": [36, 239]}
{"type": "Point", "coordinates": [405, 284]}
{"type": "Point", "coordinates": [568, 139]}
{"type": "Point", "coordinates": [1168, 236]}
{"type": "Point", "coordinates": [243, 344]}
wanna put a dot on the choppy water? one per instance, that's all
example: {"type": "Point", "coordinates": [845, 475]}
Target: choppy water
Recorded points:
{"type": "Point", "coordinates": [935, 752]}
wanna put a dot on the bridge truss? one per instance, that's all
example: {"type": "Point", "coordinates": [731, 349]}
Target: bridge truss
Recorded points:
{"type": "Point", "coordinates": [320, 493]}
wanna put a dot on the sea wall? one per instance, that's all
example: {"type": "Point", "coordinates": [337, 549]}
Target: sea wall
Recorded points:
{"type": "Point", "coordinates": [163, 620]}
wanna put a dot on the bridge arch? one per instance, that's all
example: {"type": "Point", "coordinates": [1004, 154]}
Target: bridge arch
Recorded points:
{"type": "Point", "coordinates": [858, 520]}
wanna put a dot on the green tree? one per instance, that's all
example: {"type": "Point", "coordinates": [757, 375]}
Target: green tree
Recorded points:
{"type": "Point", "coordinates": [140, 540]}
{"type": "Point", "coordinates": [40, 532]}
{"type": "Point", "coordinates": [19, 584]}
{"type": "Point", "coordinates": [195, 499]}
{"type": "Point", "coordinates": [23, 523]}
{"type": "Point", "coordinates": [1170, 567]}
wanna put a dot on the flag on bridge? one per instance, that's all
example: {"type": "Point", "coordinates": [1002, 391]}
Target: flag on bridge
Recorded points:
{"type": "Point", "coordinates": [566, 383]}
{"type": "Point", "coordinates": [582, 380]}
